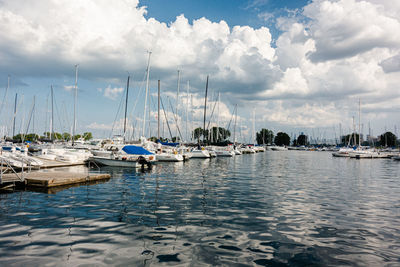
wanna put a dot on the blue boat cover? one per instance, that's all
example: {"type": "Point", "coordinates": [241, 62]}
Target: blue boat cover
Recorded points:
{"type": "Point", "coordinates": [169, 144]}
{"type": "Point", "coordinates": [136, 150]}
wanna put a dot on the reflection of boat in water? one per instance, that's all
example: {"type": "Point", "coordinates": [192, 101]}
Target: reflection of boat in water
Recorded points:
{"type": "Point", "coordinates": [130, 156]}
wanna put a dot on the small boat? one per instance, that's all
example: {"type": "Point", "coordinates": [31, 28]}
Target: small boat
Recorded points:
{"type": "Point", "coordinates": [200, 153]}
{"type": "Point", "coordinates": [130, 156]}
{"type": "Point", "coordinates": [278, 148]}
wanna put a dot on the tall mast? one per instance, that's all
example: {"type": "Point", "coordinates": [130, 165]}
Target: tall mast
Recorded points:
{"type": "Point", "coordinates": [187, 111]}
{"type": "Point", "coordinates": [147, 89]}
{"type": "Point", "coordinates": [205, 111]}
{"type": "Point", "coordinates": [15, 114]}
{"type": "Point", "coordinates": [75, 99]}
{"type": "Point", "coordinates": [359, 122]}
{"type": "Point", "coordinates": [177, 102]}
{"type": "Point", "coordinates": [234, 127]}
{"type": "Point", "coordinates": [218, 120]}
{"type": "Point", "coordinates": [254, 126]}
{"type": "Point", "coordinates": [126, 104]}
{"type": "Point", "coordinates": [52, 115]}
{"type": "Point", "coordinates": [158, 114]}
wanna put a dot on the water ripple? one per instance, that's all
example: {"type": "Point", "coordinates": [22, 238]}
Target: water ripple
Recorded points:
{"type": "Point", "coordinates": [268, 209]}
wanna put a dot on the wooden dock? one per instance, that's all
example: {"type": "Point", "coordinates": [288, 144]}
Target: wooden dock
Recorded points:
{"type": "Point", "coordinates": [56, 178]}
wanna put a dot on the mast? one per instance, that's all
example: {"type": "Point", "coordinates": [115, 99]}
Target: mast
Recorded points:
{"type": "Point", "coordinates": [147, 90]}
{"type": "Point", "coordinates": [126, 104]}
{"type": "Point", "coordinates": [52, 115]}
{"type": "Point", "coordinates": [177, 101]}
{"type": "Point", "coordinates": [75, 99]}
{"type": "Point", "coordinates": [218, 119]}
{"type": "Point", "coordinates": [205, 111]}
{"type": "Point", "coordinates": [187, 111]}
{"type": "Point", "coordinates": [359, 122]}
{"type": "Point", "coordinates": [234, 127]}
{"type": "Point", "coordinates": [158, 114]}
{"type": "Point", "coordinates": [15, 114]}
{"type": "Point", "coordinates": [254, 126]}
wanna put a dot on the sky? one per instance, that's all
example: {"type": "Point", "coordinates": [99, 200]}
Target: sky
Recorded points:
{"type": "Point", "coordinates": [293, 66]}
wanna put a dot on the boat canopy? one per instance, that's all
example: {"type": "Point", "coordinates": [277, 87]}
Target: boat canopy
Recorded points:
{"type": "Point", "coordinates": [136, 150]}
{"type": "Point", "coordinates": [169, 144]}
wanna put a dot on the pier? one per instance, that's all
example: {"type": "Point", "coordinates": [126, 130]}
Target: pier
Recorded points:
{"type": "Point", "coordinates": [52, 179]}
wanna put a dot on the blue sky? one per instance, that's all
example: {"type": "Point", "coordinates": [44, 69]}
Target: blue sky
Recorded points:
{"type": "Point", "coordinates": [300, 65]}
{"type": "Point", "coordinates": [235, 12]}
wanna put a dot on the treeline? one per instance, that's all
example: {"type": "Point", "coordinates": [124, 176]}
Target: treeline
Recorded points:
{"type": "Point", "coordinates": [47, 136]}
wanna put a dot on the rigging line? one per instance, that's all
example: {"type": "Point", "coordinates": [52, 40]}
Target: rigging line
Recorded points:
{"type": "Point", "coordinates": [58, 115]}
{"type": "Point", "coordinates": [166, 119]}
{"type": "Point", "coordinates": [116, 115]}
{"type": "Point", "coordinates": [5, 95]}
{"type": "Point", "coordinates": [30, 117]}
{"type": "Point", "coordinates": [177, 126]}
{"type": "Point", "coordinates": [212, 114]}
{"type": "Point", "coordinates": [229, 124]}
{"type": "Point", "coordinates": [141, 89]}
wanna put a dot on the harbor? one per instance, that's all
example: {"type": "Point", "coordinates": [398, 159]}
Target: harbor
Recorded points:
{"type": "Point", "coordinates": [284, 207]}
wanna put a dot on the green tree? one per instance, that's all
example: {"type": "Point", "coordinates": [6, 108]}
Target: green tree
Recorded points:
{"type": "Point", "coordinates": [282, 139]}
{"type": "Point", "coordinates": [388, 139]}
{"type": "Point", "coordinates": [87, 136]}
{"type": "Point", "coordinates": [302, 140]}
{"type": "Point", "coordinates": [66, 136]}
{"type": "Point", "coordinates": [219, 134]}
{"type": "Point", "coordinates": [176, 139]}
{"type": "Point", "coordinates": [350, 138]}
{"type": "Point", "coordinates": [198, 133]}
{"type": "Point", "coordinates": [77, 136]}
{"type": "Point", "coordinates": [265, 136]}
{"type": "Point", "coordinates": [31, 137]}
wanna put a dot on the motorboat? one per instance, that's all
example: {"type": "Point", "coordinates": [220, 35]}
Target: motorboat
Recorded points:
{"type": "Point", "coordinates": [201, 153]}
{"type": "Point", "coordinates": [130, 156]}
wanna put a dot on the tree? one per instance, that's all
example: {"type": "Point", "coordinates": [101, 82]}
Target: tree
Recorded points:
{"type": "Point", "coordinates": [87, 136]}
{"type": "Point", "coordinates": [31, 137]}
{"type": "Point", "coordinates": [388, 139]}
{"type": "Point", "coordinates": [66, 136]}
{"type": "Point", "coordinates": [302, 140]}
{"type": "Point", "coordinates": [77, 136]}
{"type": "Point", "coordinates": [350, 137]}
{"type": "Point", "coordinates": [282, 139]}
{"type": "Point", "coordinates": [198, 133]}
{"type": "Point", "coordinates": [219, 134]}
{"type": "Point", "coordinates": [265, 136]}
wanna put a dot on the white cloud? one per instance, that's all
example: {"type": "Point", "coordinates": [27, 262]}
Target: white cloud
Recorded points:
{"type": "Point", "coordinates": [113, 93]}
{"type": "Point", "coordinates": [69, 87]}
{"type": "Point", "coordinates": [336, 52]}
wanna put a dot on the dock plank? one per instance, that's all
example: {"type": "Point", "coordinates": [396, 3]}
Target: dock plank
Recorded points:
{"type": "Point", "coordinates": [57, 178]}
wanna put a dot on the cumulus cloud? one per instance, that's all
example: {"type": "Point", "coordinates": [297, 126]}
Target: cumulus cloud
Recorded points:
{"type": "Point", "coordinates": [327, 55]}
{"type": "Point", "coordinates": [113, 93]}
{"type": "Point", "coordinates": [391, 64]}
{"type": "Point", "coordinates": [346, 28]}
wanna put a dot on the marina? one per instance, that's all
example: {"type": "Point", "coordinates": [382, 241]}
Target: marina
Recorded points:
{"type": "Point", "coordinates": [277, 207]}
{"type": "Point", "coordinates": [199, 133]}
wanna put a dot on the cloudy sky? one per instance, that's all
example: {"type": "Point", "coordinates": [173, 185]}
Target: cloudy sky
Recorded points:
{"type": "Point", "coordinates": [300, 66]}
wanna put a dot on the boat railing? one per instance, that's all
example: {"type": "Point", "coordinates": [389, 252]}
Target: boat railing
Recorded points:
{"type": "Point", "coordinates": [6, 166]}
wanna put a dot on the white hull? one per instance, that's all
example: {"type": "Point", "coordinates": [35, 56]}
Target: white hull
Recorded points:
{"type": "Point", "coordinates": [117, 162]}
{"type": "Point", "coordinates": [225, 153]}
{"type": "Point", "coordinates": [168, 157]}
{"type": "Point", "coordinates": [278, 148]}
{"type": "Point", "coordinates": [200, 154]}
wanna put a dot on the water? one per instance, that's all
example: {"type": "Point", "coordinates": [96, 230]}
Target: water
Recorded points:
{"type": "Point", "coordinates": [287, 208]}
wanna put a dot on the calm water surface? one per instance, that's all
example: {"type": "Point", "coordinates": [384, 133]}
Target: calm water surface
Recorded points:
{"type": "Point", "coordinates": [287, 208]}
